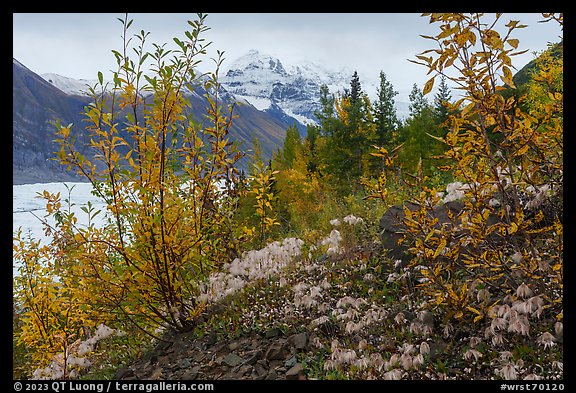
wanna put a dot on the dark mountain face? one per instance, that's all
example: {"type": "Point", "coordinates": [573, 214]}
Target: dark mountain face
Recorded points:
{"type": "Point", "coordinates": [37, 104]}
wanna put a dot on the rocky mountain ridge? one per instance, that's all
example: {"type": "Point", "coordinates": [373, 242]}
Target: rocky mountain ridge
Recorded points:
{"type": "Point", "coordinates": [40, 101]}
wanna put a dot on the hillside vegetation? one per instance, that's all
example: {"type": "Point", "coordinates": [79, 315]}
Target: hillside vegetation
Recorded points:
{"type": "Point", "coordinates": [291, 269]}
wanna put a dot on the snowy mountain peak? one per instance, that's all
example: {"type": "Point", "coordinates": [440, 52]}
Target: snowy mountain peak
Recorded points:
{"type": "Point", "coordinates": [263, 81]}
{"type": "Point", "coordinates": [255, 61]}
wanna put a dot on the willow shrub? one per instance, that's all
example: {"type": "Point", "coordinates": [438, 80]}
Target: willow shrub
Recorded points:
{"type": "Point", "coordinates": [508, 154]}
{"type": "Point", "coordinates": [168, 181]}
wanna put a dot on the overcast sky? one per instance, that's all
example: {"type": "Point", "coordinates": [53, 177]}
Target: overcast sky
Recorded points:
{"type": "Point", "coordinates": [78, 45]}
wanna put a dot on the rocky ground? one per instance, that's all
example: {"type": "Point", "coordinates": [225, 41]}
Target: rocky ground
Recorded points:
{"type": "Point", "coordinates": [352, 313]}
{"type": "Point", "coordinates": [270, 356]}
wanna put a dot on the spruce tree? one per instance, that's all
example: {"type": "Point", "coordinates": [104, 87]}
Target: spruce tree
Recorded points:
{"type": "Point", "coordinates": [355, 89]}
{"type": "Point", "coordinates": [418, 102]}
{"type": "Point", "coordinates": [292, 144]}
{"type": "Point", "coordinates": [385, 112]}
{"type": "Point", "coordinates": [440, 100]}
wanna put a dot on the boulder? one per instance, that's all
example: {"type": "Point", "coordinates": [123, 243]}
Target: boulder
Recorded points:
{"type": "Point", "coordinates": [393, 227]}
{"type": "Point", "coordinates": [298, 340]}
{"type": "Point", "coordinates": [295, 372]}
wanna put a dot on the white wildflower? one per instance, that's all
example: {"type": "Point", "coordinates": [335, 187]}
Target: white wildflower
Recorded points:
{"type": "Point", "coordinates": [519, 324]}
{"type": "Point", "coordinates": [352, 327]}
{"type": "Point", "coordinates": [493, 311]}
{"type": "Point", "coordinates": [424, 348]}
{"type": "Point", "coordinates": [472, 353]}
{"type": "Point", "coordinates": [418, 360]}
{"type": "Point", "coordinates": [395, 374]}
{"type": "Point", "coordinates": [368, 277]}
{"type": "Point", "coordinates": [333, 242]}
{"type": "Point", "coordinates": [532, 377]}
{"type": "Point", "coordinates": [454, 192]}
{"type": "Point", "coordinates": [474, 341]}
{"type": "Point", "coordinates": [406, 361]}
{"type": "Point", "coordinates": [521, 307]}
{"type": "Point", "coordinates": [508, 299]}
{"type": "Point", "coordinates": [507, 371]}
{"type": "Point", "coordinates": [352, 220]}
{"type": "Point", "coordinates": [503, 310]}
{"type": "Point", "coordinates": [377, 361]}
{"type": "Point", "coordinates": [315, 292]}
{"type": "Point", "coordinates": [300, 287]}
{"type": "Point", "coordinates": [416, 328]}
{"type": "Point", "coordinates": [335, 222]}
{"type": "Point", "coordinates": [524, 291]}
{"type": "Point", "coordinates": [505, 355]}
{"type": "Point", "coordinates": [483, 295]}
{"type": "Point", "coordinates": [362, 345]}
{"type": "Point", "coordinates": [558, 365]}
{"type": "Point", "coordinates": [349, 301]}
{"type": "Point", "coordinates": [334, 345]}
{"type": "Point", "coordinates": [546, 339]}
{"type": "Point", "coordinates": [394, 361]}
{"type": "Point", "coordinates": [316, 342]}
{"type": "Point", "coordinates": [559, 329]}
{"type": "Point", "coordinates": [361, 363]}
{"type": "Point", "coordinates": [448, 330]}
{"type": "Point", "coordinates": [407, 348]}
{"type": "Point", "coordinates": [329, 365]}
{"type": "Point", "coordinates": [498, 340]}
{"type": "Point", "coordinates": [400, 318]}
{"type": "Point", "coordinates": [535, 305]}
{"type": "Point", "coordinates": [517, 257]}
{"type": "Point", "coordinates": [392, 277]}
{"type": "Point", "coordinates": [325, 284]}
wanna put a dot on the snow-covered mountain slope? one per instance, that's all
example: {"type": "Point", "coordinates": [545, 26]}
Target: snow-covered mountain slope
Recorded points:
{"type": "Point", "coordinates": [268, 84]}
{"type": "Point", "coordinates": [78, 87]}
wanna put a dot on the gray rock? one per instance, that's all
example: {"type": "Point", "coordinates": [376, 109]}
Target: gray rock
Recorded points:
{"type": "Point", "coordinates": [277, 351]}
{"type": "Point", "coordinates": [271, 333]}
{"type": "Point", "coordinates": [124, 373]}
{"type": "Point", "coordinates": [259, 371]}
{"type": "Point", "coordinates": [184, 363]}
{"type": "Point", "coordinates": [295, 372]}
{"type": "Point", "coordinates": [298, 340]}
{"type": "Point", "coordinates": [233, 345]}
{"type": "Point", "coordinates": [253, 356]}
{"type": "Point", "coordinates": [392, 225]}
{"type": "Point", "coordinates": [191, 374]}
{"type": "Point", "coordinates": [232, 359]}
{"type": "Point", "coordinates": [437, 348]}
{"type": "Point", "coordinates": [271, 376]}
{"type": "Point", "coordinates": [245, 370]}
{"type": "Point", "coordinates": [290, 362]}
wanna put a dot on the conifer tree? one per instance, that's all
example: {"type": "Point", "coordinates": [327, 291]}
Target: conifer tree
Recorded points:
{"type": "Point", "coordinates": [418, 102]}
{"type": "Point", "coordinates": [355, 88]}
{"type": "Point", "coordinates": [385, 112]}
{"type": "Point", "coordinates": [441, 100]}
{"type": "Point", "coordinates": [292, 144]}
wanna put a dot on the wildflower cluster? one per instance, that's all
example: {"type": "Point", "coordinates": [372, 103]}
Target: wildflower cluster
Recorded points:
{"type": "Point", "coordinates": [335, 238]}
{"type": "Point", "coordinates": [254, 265]}
{"type": "Point", "coordinates": [76, 357]}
